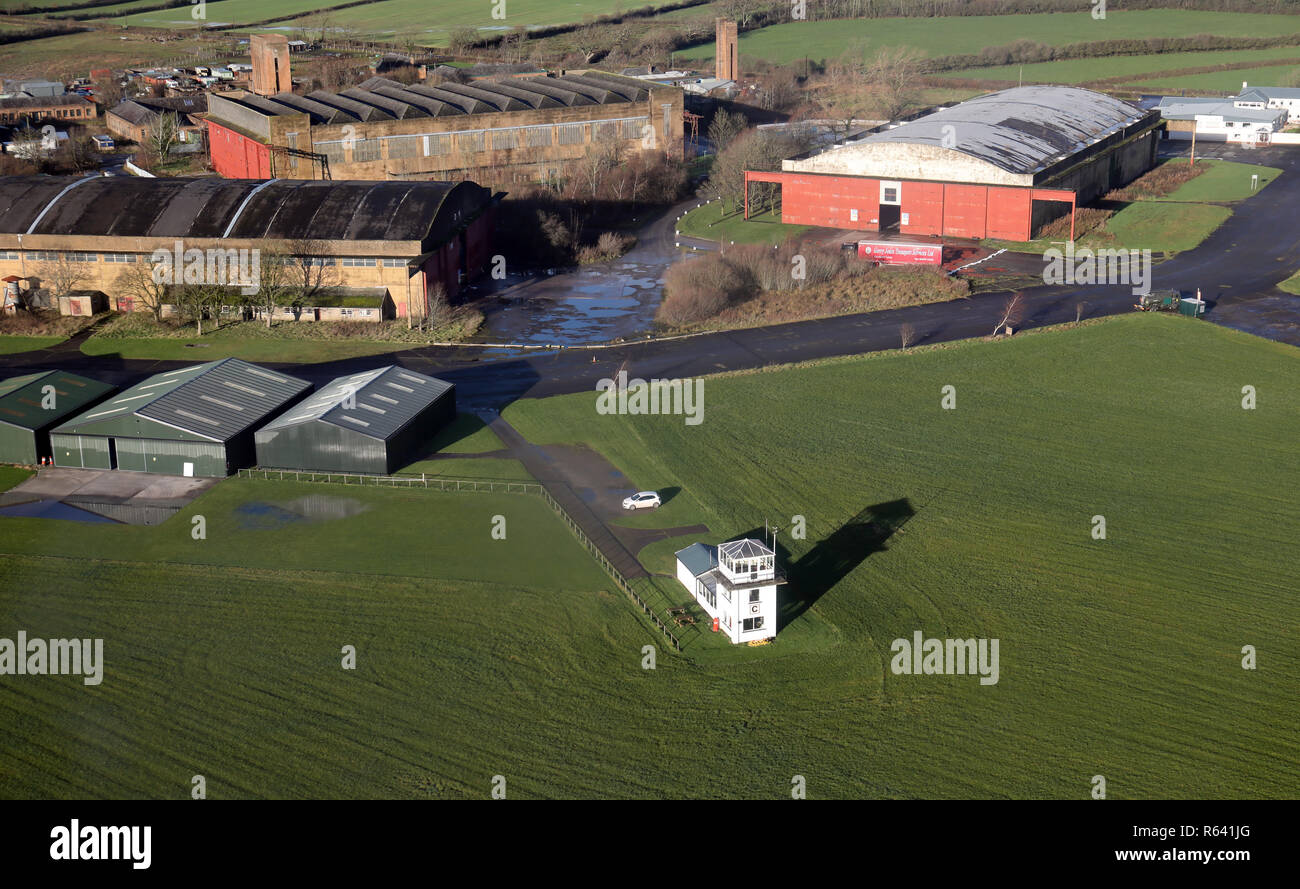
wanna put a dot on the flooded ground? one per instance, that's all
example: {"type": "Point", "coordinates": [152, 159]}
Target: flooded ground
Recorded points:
{"type": "Point", "coordinates": [591, 304]}
{"type": "Point", "coordinates": [52, 509]}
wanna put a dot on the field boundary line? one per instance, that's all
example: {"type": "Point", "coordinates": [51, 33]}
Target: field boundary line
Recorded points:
{"type": "Point", "coordinates": [619, 580]}
{"type": "Point", "coordinates": [436, 482]}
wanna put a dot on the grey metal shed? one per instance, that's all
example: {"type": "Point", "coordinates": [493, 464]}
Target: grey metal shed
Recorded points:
{"type": "Point", "coordinates": [373, 422]}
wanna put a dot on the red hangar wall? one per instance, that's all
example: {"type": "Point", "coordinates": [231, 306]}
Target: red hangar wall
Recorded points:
{"type": "Point", "coordinates": [997, 166]}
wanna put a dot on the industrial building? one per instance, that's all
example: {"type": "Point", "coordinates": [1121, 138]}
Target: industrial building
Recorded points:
{"type": "Point", "coordinates": [134, 119]}
{"type": "Point", "coordinates": [516, 129]}
{"type": "Point", "coordinates": [374, 422]}
{"type": "Point", "coordinates": [32, 405]}
{"type": "Point", "coordinates": [392, 241]}
{"type": "Point", "coordinates": [33, 109]}
{"type": "Point", "coordinates": [996, 166]}
{"type": "Point", "coordinates": [196, 421]}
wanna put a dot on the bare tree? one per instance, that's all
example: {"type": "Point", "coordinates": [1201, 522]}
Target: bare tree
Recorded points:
{"type": "Point", "coordinates": [164, 133]}
{"type": "Point", "coordinates": [1012, 313]}
{"type": "Point", "coordinates": [725, 127]}
{"type": "Point", "coordinates": [907, 333]}
{"type": "Point", "coordinates": [276, 282]}
{"type": "Point", "coordinates": [80, 152]}
{"type": "Point", "coordinates": [740, 11]}
{"type": "Point", "coordinates": [894, 74]}
{"type": "Point", "coordinates": [60, 276]}
{"type": "Point", "coordinates": [593, 166]}
{"type": "Point", "coordinates": [195, 302]}
{"type": "Point", "coordinates": [138, 283]}
{"type": "Point", "coordinates": [309, 267]}
{"type": "Point", "coordinates": [440, 310]}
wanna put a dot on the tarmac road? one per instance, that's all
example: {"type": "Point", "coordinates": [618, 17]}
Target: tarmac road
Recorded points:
{"type": "Point", "coordinates": [1236, 269]}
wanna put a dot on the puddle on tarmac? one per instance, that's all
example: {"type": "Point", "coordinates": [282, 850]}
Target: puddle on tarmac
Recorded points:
{"type": "Point", "coordinates": [593, 304]}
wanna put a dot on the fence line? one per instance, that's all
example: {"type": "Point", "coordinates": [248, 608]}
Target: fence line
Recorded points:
{"type": "Point", "coordinates": [484, 485]}
{"type": "Point", "coordinates": [396, 481]}
{"type": "Point", "coordinates": [619, 580]}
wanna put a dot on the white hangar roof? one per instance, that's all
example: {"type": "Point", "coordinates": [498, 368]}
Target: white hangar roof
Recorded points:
{"type": "Point", "coordinates": [1005, 137]}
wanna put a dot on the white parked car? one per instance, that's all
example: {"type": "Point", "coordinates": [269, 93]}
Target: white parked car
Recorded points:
{"type": "Point", "coordinates": [641, 500]}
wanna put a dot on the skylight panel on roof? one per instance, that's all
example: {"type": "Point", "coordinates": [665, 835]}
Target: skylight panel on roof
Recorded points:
{"type": "Point", "coordinates": [248, 389]}
{"type": "Point", "coordinates": [258, 372]}
{"type": "Point", "coordinates": [193, 416]}
{"type": "Point", "coordinates": [229, 404]}
{"type": "Point", "coordinates": [352, 419]}
{"type": "Point", "coordinates": [384, 398]}
{"type": "Point", "coordinates": [399, 386]}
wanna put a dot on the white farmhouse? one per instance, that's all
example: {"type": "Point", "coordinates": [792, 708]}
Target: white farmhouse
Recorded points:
{"type": "Point", "coordinates": [735, 583]}
{"type": "Point", "coordinates": [1285, 98]}
{"type": "Point", "coordinates": [1220, 120]}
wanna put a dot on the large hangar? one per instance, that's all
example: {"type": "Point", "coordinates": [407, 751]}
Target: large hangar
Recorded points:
{"type": "Point", "coordinates": [374, 422]}
{"type": "Point", "coordinates": [32, 405]}
{"type": "Point", "coordinates": [996, 166]}
{"type": "Point", "coordinates": [196, 421]}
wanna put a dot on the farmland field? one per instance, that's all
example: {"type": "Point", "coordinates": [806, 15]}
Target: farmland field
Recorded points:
{"type": "Point", "coordinates": [72, 55]}
{"type": "Point", "coordinates": [475, 658]}
{"type": "Point", "coordinates": [385, 19]}
{"type": "Point", "coordinates": [969, 34]}
{"type": "Point", "coordinates": [1083, 70]}
{"type": "Point", "coordinates": [1227, 82]}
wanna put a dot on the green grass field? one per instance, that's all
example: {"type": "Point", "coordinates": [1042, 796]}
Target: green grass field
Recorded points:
{"type": "Point", "coordinates": [384, 20]}
{"type": "Point", "coordinates": [1154, 226]}
{"type": "Point", "coordinates": [1227, 82]}
{"type": "Point", "coordinates": [1225, 181]}
{"type": "Point", "coordinates": [10, 344]}
{"type": "Point", "coordinates": [954, 35]}
{"type": "Point", "coordinates": [477, 658]}
{"type": "Point", "coordinates": [73, 55]}
{"type": "Point", "coordinates": [1178, 221]}
{"type": "Point", "coordinates": [13, 475]}
{"type": "Point", "coordinates": [717, 222]}
{"type": "Point", "coordinates": [1081, 70]}
{"type": "Point", "coordinates": [1291, 284]}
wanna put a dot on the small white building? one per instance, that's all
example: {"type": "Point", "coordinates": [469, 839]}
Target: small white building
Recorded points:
{"type": "Point", "coordinates": [735, 583]}
{"type": "Point", "coordinates": [1283, 97]}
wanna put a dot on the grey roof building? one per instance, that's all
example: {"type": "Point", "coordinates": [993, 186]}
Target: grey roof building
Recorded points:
{"type": "Point", "coordinates": [1016, 137]}
{"type": "Point", "coordinates": [374, 422]}
{"type": "Point", "coordinates": [196, 421]}
{"type": "Point", "coordinates": [283, 209]}
{"type": "Point", "coordinates": [32, 405]}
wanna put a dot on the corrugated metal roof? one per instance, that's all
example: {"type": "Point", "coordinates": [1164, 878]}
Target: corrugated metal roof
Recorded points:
{"type": "Point", "coordinates": [386, 399]}
{"type": "Point", "coordinates": [216, 400]}
{"type": "Point", "coordinates": [1020, 130]}
{"type": "Point", "coordinates": [1188, 111]}
{"type": "Point", "coordinates": [291, 209]}
{"type": "Point", "coordinates": [698, 558]}
{"type": "Point", "coordinates": [22, 398]}
{"type": "Point", "coordinates": [379, 98]}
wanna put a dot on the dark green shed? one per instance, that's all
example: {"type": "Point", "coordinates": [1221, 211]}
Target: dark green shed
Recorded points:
{"type": "Point", "coordinates": [197, 420]}
{"type": "Point", "coordinates": [32, 405]}
{"type": "Point", "coordinates": [374, 422]}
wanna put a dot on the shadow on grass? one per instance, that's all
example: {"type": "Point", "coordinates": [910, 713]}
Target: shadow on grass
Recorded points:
{"type": "Point", "coordinates": [835, 556]}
